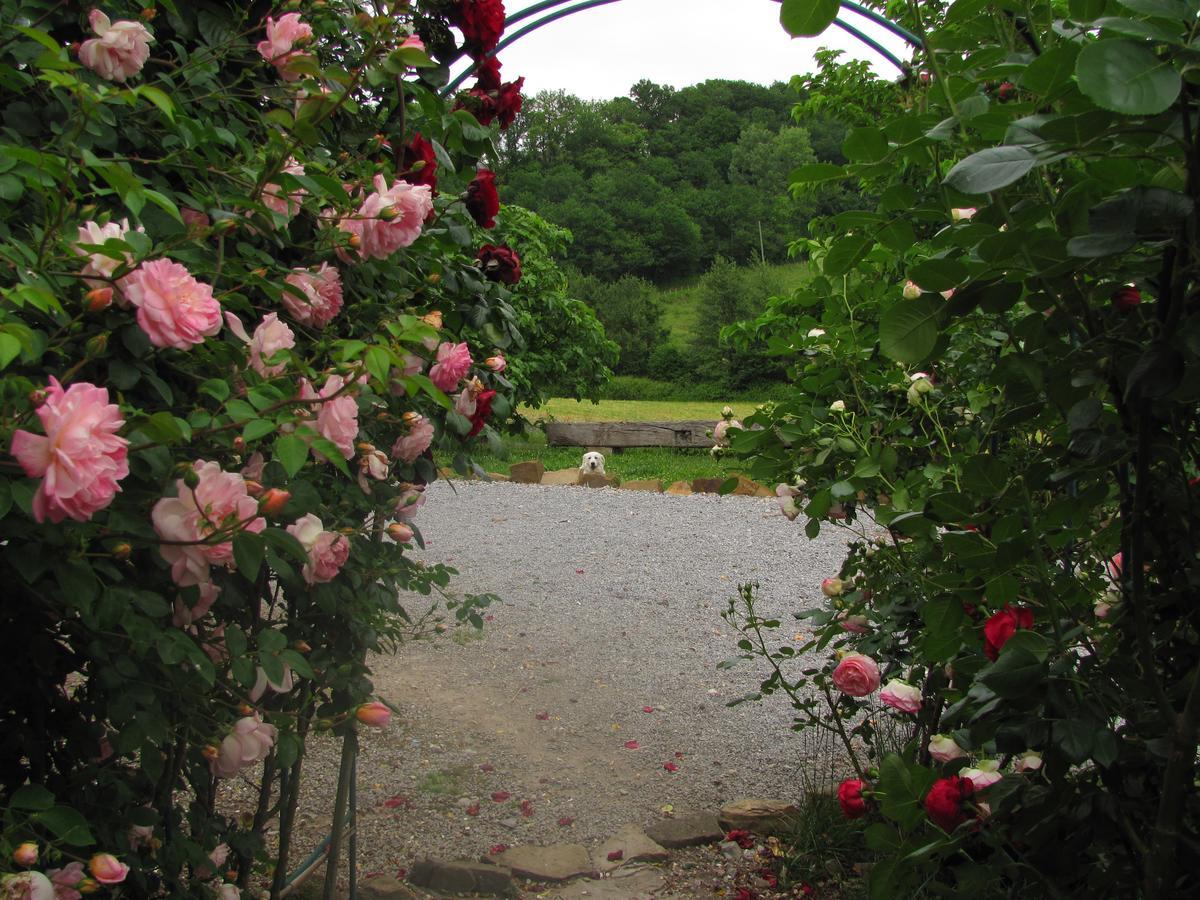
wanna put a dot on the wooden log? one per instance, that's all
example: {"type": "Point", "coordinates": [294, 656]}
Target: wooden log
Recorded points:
{"type": "Point", "coordinates": [629, 434]}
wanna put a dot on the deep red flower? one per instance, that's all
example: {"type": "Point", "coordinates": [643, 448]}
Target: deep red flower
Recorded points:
{"type": "Point", "coordinates": [501, 796]}
{"type": "Point", "coordinates": [482, 201]}
{"type": "Point", "coordinates": [1003, 625]}
{"type": "Point", "coordinates": [508, 101]}
{"type": "Point", "coordinates": [499, 263]}
{"type": "Point", "coordinates": [849, 793]}
{"type": "Point", "coordinates": [671, 767]}
{"type": "Point", "coordinates": [481, 23]}
{"type": "Point", "coordinates": [473, 809]}
{"type": "Point", "coordinates": [419, 162]}
{"type": "Point", "coordinates": [741, 837]}
{"type": "Point", "coordinates": [1126, 298]}
{"type": "Point", "coordinates": [487, 74]}
{"type": "Point", "coordinates": [526, 808]}
{"type": "Point", "coordinates": [483, 412]}
{"type": "Point", "coordinates": [944, 802]}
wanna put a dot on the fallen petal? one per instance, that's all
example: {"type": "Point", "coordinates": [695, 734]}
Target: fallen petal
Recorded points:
{"type": "Point", "coordinates": [632, 745]}
{"type": "Point", "coordinates": [615, 855]}
{"type": "Point", "coordinates": [526, 808]}
{"type": "Point", "coordinates": [501, 796]}
{"type": "Point", "coordinates": [671, 767]}
{"type": "Point", "coordinates": [487, 767]}
{"type": "Point", "coordinates": [497, 849]}
{"type": "Point", "coordinates": [542, 716]}
{"type": "Point", "coordinates": [473, 809]}
{"type": "Point", "coordinates": [647, 709]}
{"type": "Point", "coordinates": [566, 821]}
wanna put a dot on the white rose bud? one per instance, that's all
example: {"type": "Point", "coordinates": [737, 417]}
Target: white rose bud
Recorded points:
{"type": "Point", "coordinates": [837, 406]}
{"type": "Point", "coordinates": [911, 291]}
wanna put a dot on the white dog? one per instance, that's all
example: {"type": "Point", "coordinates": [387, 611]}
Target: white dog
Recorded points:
{"type": "Point", "coordinates": [593, 464]}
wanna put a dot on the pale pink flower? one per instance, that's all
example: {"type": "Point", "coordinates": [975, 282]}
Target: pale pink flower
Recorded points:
{"type": "Point", "coordinates": [856, 675]}
{"type": "Point", "coordinates": [337, 419]}
{"type": "Point", "coordinates": [195, 220]}
{"type": "Point", "coordinates": [107, 869]}
{"type": "Point", "coordinates": [372, 464]}
{"type": "Point", "coordinates": [322, 295]}
{"type": "Point", "coordinates": [901, 695]}
{"type": "Point", "coordinates": [911, 290]}
{"type": "Point", "coordinates": [453, 361]}
{"type": "Point", "coordinates": [390, 218]}
{"type": "Point", "coordinates": [399, 532]}
{"type": "Point", "coordinates": [413, 364]}
{"type": "Point", "coordinates": [249, 743]}
{"type": "Point", "coordinates": [26, 854]}
{"type": "Point", "coordinates": [943, 748]}
{"type": "Point", "coordinates": [410, 501]}
{"type": "Point", "coordinates": [99, 268]}
{"type": "Point", "coordinates": [721, 431]}
{"type": "Point", "coordinates": [119, 50]}
{"type": "Point", "coordinates": [254, 467]}
{"type": "Point", "coordinates": [229, 892]}
{"type": "Point", "coordinates": [279, 47]}
{"type": "Point", "coordinates": [183, 617]}
{"type": "Point", "coordinates": [854, 624]}
{"type": "Point", "coordinates": [832, 587]}
{"type": "Point", "coordinates": [218, 503]}
{"type": "Point", "coordinates": [139, 836]}
{"type": "Point", "coordinates": [1115, 567]}
{"type": "Point", "coordinates": [962, 214]}
{"type": "Point", "coordinates": [420, 435]}
{"type": "Point", "coordinates": [80, 459]}
{"type": "Point", "coordinates": [985, 773]}
{"type": "Point", "coordinates": [412, 42]}
{"type": "Point", "coordinates": [173, 308]}
{"type": "Point", "coordinates": [1104, 606]}
{"type": "Point", "coordinates": [1029, 761]}
{"type": "Point", "coordinates": [375, 714]}
{"type": "Point", "coordinates": [26, 886]}
{"type": "Point", "coordinates": [65, 879]}
{"type": "Point", "coordinates": [786, 495]}
{"type": "Point", "coordinates": [327, 550]}
{"type": "Point", "coordinates": [270, 337]}
{"type": "Point", "coordinates": [263, 681]}
{"type": "Point", "coordinates": [275, 200]}
{"type": "Point", "coordinates": [496, 363]}
{"type": "Point", "coordinates": [464, 402]}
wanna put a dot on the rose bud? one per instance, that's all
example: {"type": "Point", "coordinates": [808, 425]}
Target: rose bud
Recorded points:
{"type": "Point", "coordinates": [1006, 91]}
{"type": "Point", "coordinates": [302, 646]}
{"type": "Point", "coordinates": [253, 488]}
{"type": "Point", "coordinates": [191, 477]}
{"type": "Point", "coordinates": [911, 291]}
{"type": "Point", "coordinates": [387, 214]}
{"type": "Point", "coordinates": [273, 501]}
{"type": "Point", "coordinates": [88, 886]}
{"type": "Point", "coordinates": [98, 299]}
{"type": "Point", "coordinates": [400, 533]}
{"type": "Point", "coordinates": [107, 869]}
{"type": "Point", "coordinates": [354, 241]}
{"type": "Point", "coordinates": [1127, 298]}
{"type": "Point", "coordinates": [374, 714]}
{"type": "Point", "coordinates": [837, 406]}
{"type": "Point", "coordinates": [210, 752]}
{"type": "Point", "coordinates": [924, 78]}
{"type": "Point", "coordinates": [95, 346]}
{"type": "Point", "coordinates": [245, 709]}
{"type": "Point", "coordinates": [497, 363]}
{"type": "Point", "coordinates": [26, 854]}
{"type": "Point", "coordinates": [433, 319]}
{"type": "Point", "coordinates": [37, 397]}
{"type": "Point", "coordinates": [831, 587]}
{"type": "Point", "coordinates": [239, 443]}
{"type": "Point", "coordinates": [122, 550]}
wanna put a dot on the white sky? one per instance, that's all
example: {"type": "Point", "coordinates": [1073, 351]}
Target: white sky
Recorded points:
{"type": "Point", "coordinates": [599, 53]}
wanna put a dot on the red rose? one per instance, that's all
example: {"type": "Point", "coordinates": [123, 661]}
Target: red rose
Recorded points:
{"type": "Point", "coordinates": [944, 801]}
{"type": "Point", "coordinates": [508, 103]}
{"type": "Point", "coordinates": [1126, 298]}
{"type": "Point", "coordinates": [481, 23]}
{"type": "Point", "coordinates": [419, 162]}
{"type": "Point", "coordinates": [487, 104]}
{"type": "Point", "coordinates": [482, 200]}
{"type": "Point", "coordinates": [850, 796]}
{"type": "Point", "coordinates": [483, 412]}
{"type": "Point", "coordinates": [1002, 626]}
{"type": "Point", "coordinates": [487, 74]}
{"type": "Point", "coordinates": [499, 263]}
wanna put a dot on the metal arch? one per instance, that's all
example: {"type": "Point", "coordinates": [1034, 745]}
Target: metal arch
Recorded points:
{"type": "Point", "coordinates": [557, 14]}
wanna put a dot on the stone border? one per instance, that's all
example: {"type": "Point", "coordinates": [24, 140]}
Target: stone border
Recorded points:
{"type": "Point", "coordinates": [534, 472]}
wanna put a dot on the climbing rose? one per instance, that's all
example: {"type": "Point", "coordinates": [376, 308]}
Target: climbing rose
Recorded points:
{"type": "Point", "coordinates": [499, 263]}
{"type": "Point", "coordinates": [411, 499]}
{"type": "Point", "coordinates": [1029, 761]}
{"type": "Point", "coordinates": [107, 869]}
{"type": "Point", "coordinates": [854, 624]}
{"type": "Point", "coordinates": [453, 361]}
{"type": "Point", "coordinates": [119, 50]}
{"type": "Point", "coordinates": [65, 879]}
{"type": "Point", "coordinates": [183, 617]}
{"type": "Point", "coordinates": [337, 419]}
{"type": "Point", "coordinates": [965, 213]}
{"type": "Point", "coordinates": [229, 892]}
{"type": "Point", "coordinates": [487, 74]}
{"type": "Point", "coordinates": [322, 292]}
{"type": "Point", "coordinates": [856, 675]}
{"type": "Point", "coordinates": [983, 775]}
{"type": "Point", "coordinates": [282, 37]}
{"type": "Point", "coordinates": [901, 695]}
{"type": "Point", "coordinates": [944, 801]}
{"type": "Point", "coordinates": [911, 291]}
{"type": "Point", "coordinates": [832, 587]}
{"type": "Point", "coordinates": [481, 23]}
{"type": "Point", "coordinates": [270, 337]}
{"type": "Point", "coordinates": [420, 435]}
{"type": "Point", "coordinates": [509, 101]}
{"type": "Point", "coordinates": [786, 496]}
{"type": "Point", "coordinates": [26, 854]}
{"type": "Point", "coordinates": [390, 218]}
{"type": "Point", "coordinates": [275, 200]}
{"type": "Point", "coordinates": [496, 363]}
{"type": "Point", "coordinates": [375, 714]}
{"type": "Point", "coordinates": [483, 411]}
{"type": "Point", "coordinates": [943, 748]}
{"type": "Point", "coordinates": [249, 742]}
{"type": "Point", "coordinates": [1002, 626]}
{"type": "Point", "coordinates": [482, 201]}
{"type": "Point", "coordinates": [420, 162]}
{"type": "Point", "coordinates": [262, 681]}
{"type": "Point", "coordinates": [80, 459]}
{"type": "Point", "coordinates": [98, 265]}
{"type": "Point", "coordinates": [850, 797]}
{"type": "Point", "coordinates": [26, 886]}
{"type": "Point", "coordinates": [327, 550]}
{"type": "Point", "coordinates": [218, 502]}
{"type": "Point", "coordinates": [173, 308]}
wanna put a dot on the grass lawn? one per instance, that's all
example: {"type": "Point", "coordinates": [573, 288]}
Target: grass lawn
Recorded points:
{"type": "Point", "coordinates": [633, 410]}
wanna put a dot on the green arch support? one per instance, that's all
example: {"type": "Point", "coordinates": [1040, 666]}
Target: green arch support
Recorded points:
{"type": "Point", "coordinates": [555, 14]}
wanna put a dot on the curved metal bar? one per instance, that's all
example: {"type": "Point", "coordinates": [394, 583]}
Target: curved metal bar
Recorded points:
{"type": "Point", "coordinates": [872, 43]}
{"type": "Point", "coordinates": [898, 30]}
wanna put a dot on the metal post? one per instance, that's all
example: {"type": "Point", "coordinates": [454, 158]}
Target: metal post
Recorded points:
{"type": "Point", "coordinates": [345, 776]}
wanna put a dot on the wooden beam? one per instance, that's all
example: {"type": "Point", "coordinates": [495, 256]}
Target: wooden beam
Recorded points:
{"type": "Point", "coordinates": [629, 434]}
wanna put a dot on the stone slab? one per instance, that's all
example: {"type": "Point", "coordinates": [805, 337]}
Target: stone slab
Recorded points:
{"type": "Point", "coordinates": [598, 480]}
{"type": "Point", "coordinates": [557, 862]}
{"type": "Point", "coordinates": [638, 883]}
{"type": "Point", "coordinates": [528, 472]}
{"type": "Point", "coordinates": [561, 477]}
{"type": "Point", "coordinates": [384, 887]}
{"type": "Point", "coordinates": [759, 815]}
{"type": "Point", "coordinates": [497, 476]}
{"type": "Point", "coordinates": [653, 484]}
{"type": "Point", "coordinates": [707, 485]}
{"type": "Point", "coordinates": [689, 830]}
{"type": "Point", "coordinates": [462, 877]}
{"type": "Point", "coordinates": [634, 845]}
{"type": "Point", "coordinates": [680, 489]}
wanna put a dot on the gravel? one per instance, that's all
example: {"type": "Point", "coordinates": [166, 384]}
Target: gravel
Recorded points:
{"type": "Point", "coordinates": [612, 603]}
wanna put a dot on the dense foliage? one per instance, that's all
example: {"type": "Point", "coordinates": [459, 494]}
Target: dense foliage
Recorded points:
{"type": "Point", "coordinates": [997, 364]}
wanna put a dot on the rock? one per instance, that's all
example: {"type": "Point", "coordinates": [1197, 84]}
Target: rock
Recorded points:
{"type": "Point", "coordinates": [638, 883]}
{"type": "Point", "coordinates": [597, 480]}
{"type": "Point", "coordinates": [561, 477]}
{"type": "Point", "coordinates": [635, 846]}
{"type": "Point", "coordinates": [651, 485]}
{"type": "Point", "coordinates": [689, 830]}
{"type": "Point", "coordinates": [530, 472]}
{"type": "Point", "coordinates": [759, 816]}
{"type": "Point", "coordinates": [384, 887]}
{"type": "Point", "coordinates": [680, 489]}
{"type": "Point", "coordinates": [496, 476]}
{"type": "Point", "coordinates": [707, 485]}
{"type": "Point", "coordinates": [747, 488]}
{"type": "Point", "coordinates": [730, 850]}
{"type": "Point", "coordinates": [463, 878]}
{"type": "Point", "coordinates": [558, 862]}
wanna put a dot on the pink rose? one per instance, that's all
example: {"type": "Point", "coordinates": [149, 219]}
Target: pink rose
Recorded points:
{"type": "Point", "coordinates": [453, 361]}
{"type": "Point", "coordinates": [65, 879]}
{"type": "Point", "coordinates": [173, 308]}
{"type": "Point", "coordinates": [943, 748]}
{"type": "Point", "coordinates": [320, 295]}
{"type": "Point", "coordinates": [26, 854]}
{"type": "Point", "coordinates": [263, 681]}
{"type": "Point", "coordinates": [99, 266]}
{"type": "Point", "coordinates": [417, 441]}
{"type": "Point", "coordinates": [80, 459]}
{"type": "Point", "coordinates": [337, 419]}
{"type": "Point", "coordinates": [390, 218]}
{"type": "Point", "coordinates": [409, 502]}
{"type": "Point", "coordinates": [375, 714]}
{"type": "Point", "coordinates": [254, 467]}
{"type": "Point", "coordinates": [284, 204]}
{"type": "Point", "coordinates": [464, 402]}
{"type": "Point", "coordinates": [832, 587]}
{"type": "Point", "coordinates": [119, 50]}
{"type": "Point", "coordinates": [218, 503]}
{"type": "Point", "coordinates": [107, 869]}
{"type": "Point", "coordinates": [183, 617]}
{"type": "Point", "coordinates": [327, 550]}
{"type": "Point", "coordinates": [412, 42]}
{"type": "Point", "coordinates": [858, 624]}
{"type": "Point", "coordinates": [27, 886]}
{"type": "Point", "coordinates": [985, 773]}
{"type": "Point", "coordinates": [962, 214]}
{"type": "Point", "coordinates": [856, 675]}
{"type": "Point", "coordinates": [282, 37]}
{"type": "Point", "coordinates": [786, 495]}
{"type": "Point", "coordinates": [270, 337]}
{"type": "Point", "coordinates": [496, 363]}
{"type": "Point", "coordinates": [250, 742]}
{"type": "Point", "coordinates": [901, 695]}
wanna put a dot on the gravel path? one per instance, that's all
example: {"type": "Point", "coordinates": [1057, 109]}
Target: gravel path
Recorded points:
{"type": "Point", "coordinates": [612, 604]}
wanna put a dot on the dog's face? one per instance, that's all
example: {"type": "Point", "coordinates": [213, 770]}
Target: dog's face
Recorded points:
{"type": "Point", "coordinates": [593, 462]}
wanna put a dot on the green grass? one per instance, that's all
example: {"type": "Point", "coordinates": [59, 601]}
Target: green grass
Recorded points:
{"type": "Point", "coordinates": [634, 410]}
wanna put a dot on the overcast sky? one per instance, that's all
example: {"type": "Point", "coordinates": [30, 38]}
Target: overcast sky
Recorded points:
{"type": "Point", "coordinates": [599, 53]}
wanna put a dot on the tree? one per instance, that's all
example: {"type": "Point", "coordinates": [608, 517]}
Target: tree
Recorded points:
{"type": "Point", "coordinates": [631, 313]}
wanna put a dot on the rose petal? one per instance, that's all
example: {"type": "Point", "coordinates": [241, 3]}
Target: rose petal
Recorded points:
{"type": "Point", "coordinates": [501, 796]}
{"type": "Point", "coordinates": [473, 809]}
{"type": "Point", "coordinates": [671, 767]}
{"type": "Point", "coordinates": [647, 709]}
{"type": "Point", "coordinates": [542, 716]}
{"type": "Point", "coordinates": [526, 808]}
{"type": "Point", "coordinates": [632, 745]}
{"type": "Point", "coordinates": [497, 849]}
{"type": "Point", "coordinates": [566, 821]}
{"type": "Point", "coordinates": [487, 767]}
{"type": "Point", "coordinates": [615, 855]}
{"type": "Point", "coordinates": [398, 800]}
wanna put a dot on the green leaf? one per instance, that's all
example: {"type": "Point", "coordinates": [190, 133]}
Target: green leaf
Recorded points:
{"type": "Point", "coordinates": [257, 428]}
{"type": "Point", "coordinates": [1168, 9]}
{"type": "Point", "coordinates": [1020, 666]}
{"type": "Point", "coordinates": [990, 169]}
{"type": "Point", "coordinates": [846, 254]}
{"type": "Point", "coordinates": [217, 388]}
{"type": "Point", "coordinates": [902, 788]}
{"type": "Point", "coordinates": [291, 452]}
{"type": "Point", "coordinates": [1126, 76]}
{"type": "Point", "coordinates": [985, 475]}
{"type": "Point", "coordinates": [68, 825]}
{"type": "Point", "coordinates": [379, 363]}
{"type": "Point", "coordinates": [938, 274]}
{"type": "Point", "coordinates": [158, 98]}
{"type": "Point", "coordinates": [814, 173]}
{"type": "Point", "coordinates": [31, 796]}
{"type": "Point", "coordinates": [943, 618]}
{"type": "Point", "coordinates": [807, 18]}
{"type": "Point", "coordinates": [865, 145]}
{"type": "Point", "coordinates": [909, 330]}
{"type": "Point", "coordinates": [248, 549]}
{"type": "Point", "coordinates": [287, 543]}
{"type": "Point", "coordinates": [10, 349]}
{"type": "Point", "coordinates": [1051, 70]}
